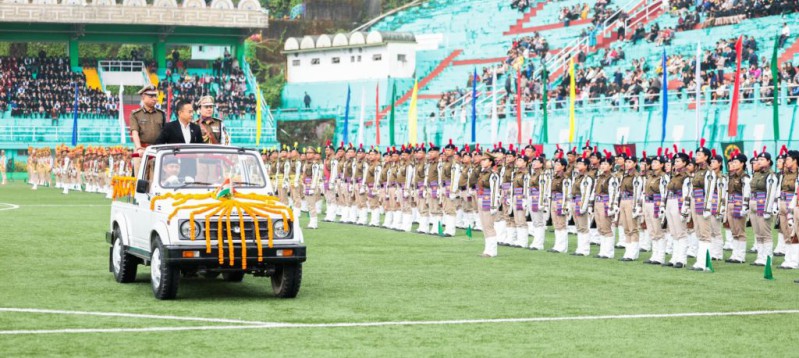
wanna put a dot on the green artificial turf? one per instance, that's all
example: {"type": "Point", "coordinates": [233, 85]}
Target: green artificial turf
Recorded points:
{"type": "Point", "coordinates": [53, 255]}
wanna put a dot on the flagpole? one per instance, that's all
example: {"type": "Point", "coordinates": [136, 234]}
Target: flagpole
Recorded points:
{"type": "Point", "coordinates": [698, 80]}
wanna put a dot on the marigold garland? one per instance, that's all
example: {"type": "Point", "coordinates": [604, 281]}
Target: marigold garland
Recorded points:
{"type": "Point", "coordinates": [253, 205]}
{"type": "Point", "coordinates": [123, 186]}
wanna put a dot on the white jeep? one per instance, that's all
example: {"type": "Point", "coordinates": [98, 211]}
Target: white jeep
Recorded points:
{"type": "Point", "coordinates": [141, 233]}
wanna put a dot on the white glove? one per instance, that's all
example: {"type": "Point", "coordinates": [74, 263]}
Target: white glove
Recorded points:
{"type": "Point", "coordinates": [424, 194]}
{"type": "Point", "coordinates": [790, 221]}
{"type": "Point", "coordinates": [662, 212]}
{"type": "Point", "coordinates": [362, 190]}
{"type": "Point", "coordinates": [590, 210]}
{"type": "Point", "coordinates": [405, 194]}
{"type": "Point", "coordinates": [766, 216]}
{"type": "Point", "coordinates": [349, 187]}
{"type": "Point", "coordinates": [310, 192]}
{"type": "Point", "coordinates": [453, 196]}
{"type": "Point", "coordinates": [745, 211]}
{"type": "Point", "coordinates": [706, 214]}
{"type": "Point", "coordinates": [507, 201]}
{"type": "Point", "coordinates": [493, 211]}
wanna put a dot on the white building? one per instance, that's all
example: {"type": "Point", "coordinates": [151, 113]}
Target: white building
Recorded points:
{"type": "Point", "coordinates": [350, 57]}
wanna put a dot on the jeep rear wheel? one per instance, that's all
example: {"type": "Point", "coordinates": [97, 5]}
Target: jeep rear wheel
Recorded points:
{"type": "Point", "coordinates": [123, 265]}
{"type": "Point", "coordinates": [286, 280]}
{"type": "Point", "coordinates": [164, 279]}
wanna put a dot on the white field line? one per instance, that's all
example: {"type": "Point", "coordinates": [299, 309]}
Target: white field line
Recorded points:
{"type": "Point", "coordinates": [131, 315]}
{"type": "Point", "coordinates": [399, 323]}
{"type": "Point", "coordinates": [8, 206]}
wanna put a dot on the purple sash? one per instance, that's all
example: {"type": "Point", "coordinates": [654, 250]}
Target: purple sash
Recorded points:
{"type": "Point", "coordinates": [737, 201]}
{"type": "Point", "coordinates": [558, 198]}
{"type": "Point", "coordinates": [714, 203]}
{"type": "Point", "coordinates": [604, 199]}
{"type": "Point", "coordinates": [485, 200]}
{"type": "Point", "coordinates": [699, 201]}
{"type": "Point", "coordinates": [578, 201]}
{"type": "Point", "coordinates": [434, 190]}
{"type": "Point", "coordinates": [307, 182]}
{"type": "Point", "coordinates": [518, 194]}
{"type": "Point", "coordinates": [656, 200]}
{"type": "Point", "coordinates": [534, 197]}
{"type": "Point", "coordinates": [760, 199]}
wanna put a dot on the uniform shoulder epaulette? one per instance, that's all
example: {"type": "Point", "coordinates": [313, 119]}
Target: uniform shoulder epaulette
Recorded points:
{"type": "Point", "coordinates": [137, 110]}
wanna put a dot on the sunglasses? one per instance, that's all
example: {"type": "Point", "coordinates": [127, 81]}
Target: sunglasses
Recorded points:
{"type": "Point", "coordinates": [151, 95]}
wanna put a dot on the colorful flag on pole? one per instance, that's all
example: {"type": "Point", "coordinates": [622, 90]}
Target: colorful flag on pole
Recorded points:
{"type": "Point", "coordinates": [346, 133]}
{"type": "Point", "coordinates": [361, 116]}
{"type": "Point", "coordinates": [775, 76]}
{"type": "Point", "coordinates": [258, 115]}
{"type": "Point", "coordinates": [121, 116]}
{"type": "Point", "coordinates": [75, 117]}
{"type": "Point", "coordinates": [169, 103]}
{"type": "Point", "coordinates": [572, 95]}
{"type": "Point", "coordinates": [377, 113]}
{"type": "Point", "coordinates": [519, 107]}
{"type": "Point", "coordinates": [545, 89]}
{"type": "Point", "coordinates": [391, 116]}
{"type": "Point", "coordinates": [732, 128]}
{"type": "Point", "coordinates": [412, 117]}
{"type": "Point", "coordinates": [474, 105]}
{"type": "Point", "coordinates": [664, 94]}
{"type": "Point", "coordinates": [494, 114]}
{"type": "Point", "coordinates": [225, 190]}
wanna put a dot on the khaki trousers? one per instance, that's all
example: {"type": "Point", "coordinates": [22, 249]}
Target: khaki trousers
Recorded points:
{"type": "Point", "coordinates": [487, 221]}
{"type": "Point", "coordinates": [701, 225]}
{"type": "Point", "coordinates": [677, 227]}
{"type": "Point", "coordinates": [652, 223]}
{"type": "Point", "coordinates": [558, 221]}
{"type": "Point", "coordinates": [581, 221]}
{"type": "Point", "coordinates": [760, 226]}
{"type": "Point", "coordinates": [737, 225]}
{"type": "Point", "coordinates": [603, 221]}
{"type": "Point", "coordinates": [627, 221]}
{"type": "Point", "coordinates": [784, 229]}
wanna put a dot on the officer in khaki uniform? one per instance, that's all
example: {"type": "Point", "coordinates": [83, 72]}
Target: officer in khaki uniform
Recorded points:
{"type": "Point", "coordinates": [373, 174]}
{"type": "Point", "coordinates": [655, 194]}
{"type": "Point", "coordinates": [449, 191]}
{"type": "Point", "coordinates": [360, 170]}
{"type": "Point", "coordinates": [423, 169]}
{"type": "Point", "coordinates": [738, 192]}
{"type": "Point", "coordinates": [214, 132]}
{"type": "Point", "coordinates": [701, 185]}
{"type": "Point", "coordinates": [674, 208]}
{"type": "Point", "coordinates": [602, 203]}
{"type": "Point", "coordinates": [406, 185]}
{"type": "Point", "coordinates": [560, 190]}
{"type": "Point", "coordinates": [539, 199]}
{"type": "Point", "coordinates": [787, 193]}
{"type": "Point", "coordinates": [765, 191]}
{"type": "Point", "coordinates": [145, 124]}
{"type": "Point", "coordinates": [581, 196]}
{"type": "Point", "coordinates": [629, 212]}
{"type": "Point", "coordinates": [312, 176]}
{"type": "Point", "coordinates": [519, 201]}
{"type": "Point", "coordinates": [488, 201]}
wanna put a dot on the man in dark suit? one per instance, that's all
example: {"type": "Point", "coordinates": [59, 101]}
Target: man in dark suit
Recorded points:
{"type": "Point", "coordinates": [182, 130]}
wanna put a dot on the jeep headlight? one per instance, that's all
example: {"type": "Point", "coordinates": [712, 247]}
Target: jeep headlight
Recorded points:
{"type": "Point", "coordinates": [185, 229]}
{"type": "Point", "coordinates": [280, 232]}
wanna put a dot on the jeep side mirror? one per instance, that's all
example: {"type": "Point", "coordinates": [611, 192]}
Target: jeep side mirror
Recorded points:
{"type": "Point", "coordinates": [142, 186]}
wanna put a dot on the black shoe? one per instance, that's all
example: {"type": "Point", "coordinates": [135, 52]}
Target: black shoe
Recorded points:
{"type": "Point", "coordinates": [667, 264]}
{"type": "Point", "coordinates": [731, 261]}
{"type": "Point", "coordinates": [679, 265]}
{"type": "Point", "coordinates": [643, 250]}
{"type": "Point", "coordinates": [554, 251]}
{"type": "Point", "coordinates": [757, 264]}
{"type": "Point", "coordinates": [795, 281]}
{"type": "Point", "coordinates": [779, 254]}
{"type": "Point", "coordinates": [752, 251]}
{"type": "Point", "coordinates": [575, 254]}
{"type": "Point", "coordinates": [653, 262]}
{"type": "Point", "coordinates": [626, 259]}
{"type": "Point", "coordinates": [533, 249]}
{"type": "Point", "coordinates": [696, 269]}
{"type": "Point", "coordinates": [692, 256]}
{"type": "Point", "coordinates": [727, 249]}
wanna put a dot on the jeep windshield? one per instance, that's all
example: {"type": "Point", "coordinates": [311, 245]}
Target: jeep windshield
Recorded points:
{"type": "Point", "coordinates": [210, 169]}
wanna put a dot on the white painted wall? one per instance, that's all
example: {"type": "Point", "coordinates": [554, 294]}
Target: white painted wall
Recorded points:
{"type": "Point", "coordinates": [357, 63]}
{"type": "Point", "coordinates": [203, 52]}
{"type": "Point", "coordinates": [124, 78]}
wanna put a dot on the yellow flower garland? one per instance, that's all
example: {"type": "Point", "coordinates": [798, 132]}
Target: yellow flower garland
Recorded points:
{"type": "Point", "coordinates": [253, 205]}
{"type": "Point", "coordinates": [123, 186]}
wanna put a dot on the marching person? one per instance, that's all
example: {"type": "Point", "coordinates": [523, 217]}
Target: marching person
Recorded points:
{"type": "Point", "coordinates": [644, 240]}
{"type": "Point", "coordinates": [674, 211]}
{"type": "Point", "coordinates": [406, 185]}
{"type": "Point", "coordinates": [765, 192]}
{"type": "Point", "coordinates": [603, 198]}
{"type": "Point", "coordinates": [655, 194]}
{"type": "Point", "coordinates": [539, 201]}
{"type": "Point", "coordinates": [560, 191]}
{"type": "Point", "coordinates": [312, 176]}
{"type": "Point", "coordinates": [738, 195]}
{"type": "Point", "coordinates": [630, 210]}
{"type": "Point", "coordinates": [450, 175]}
{"type": "Point", "coordinates": [488, 200]}
{"type": "Point", "coordinates": [581, 197]}
{"type": "Point", "coordinates": [520, 203]}
{"type": "Point", "coordinates": [330, 166]}
{"type": "Point", "coordinates": [3, 169]}
{"type": "Point", "coordinates": [702, 183]}
{"type": "Point", "coordinates": [787, 193]}
{"type": "Point", "coordinates": [146, 124]}
{"type": "Point", "coordinates": [716, 212]}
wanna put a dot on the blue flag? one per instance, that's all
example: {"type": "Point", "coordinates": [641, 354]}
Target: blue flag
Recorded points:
{"type": "Point", "coordinates": [474, 105]}
{"type": "Point", "coordinates": [665, 100]}
{"type": "Point", "coordinates": [347, 116]}
{"type": "Point", "coordinates": [75, 118]}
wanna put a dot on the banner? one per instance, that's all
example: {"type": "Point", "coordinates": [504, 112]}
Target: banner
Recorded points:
{"type": "Point", "coordinates": [412, 116]}
{"type": "Point", "coordinates": [572, 95]}
{"type": "Point", "coordinates": [728, 147]}
{"type": "Point", "coordinates": [347, 117]}
{"type": "Point", "coordinates": [391, 116]}
{"type": "Point", "coordinates": [664, 99]}
{"type": "Point", "coordinates": [622, 148]}
{"type": "Point", "coordinates": [377, 113]}
{"type": "Point", "coordinates": [474, 105]}
{"type": "Point", "coordinates": [775, 76]}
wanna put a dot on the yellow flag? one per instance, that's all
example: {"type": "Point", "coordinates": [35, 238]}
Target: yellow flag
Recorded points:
{"type": "Point", "coordinates": [571, 100]}
{"type": "Point", "coordinates": [258, 113]}
{"type": "Point", "coordinates": [412, 115]}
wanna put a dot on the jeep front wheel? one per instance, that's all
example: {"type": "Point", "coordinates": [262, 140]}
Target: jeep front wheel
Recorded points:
{"type": "Point", "coordinates": [164, 279]}
{"type": "Point", "coordinates": [286, 280]}
{"type": "Point", "coordinates": [123, 265]}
